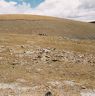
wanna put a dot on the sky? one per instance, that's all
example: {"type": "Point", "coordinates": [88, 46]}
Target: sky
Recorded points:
{"type": "Point", "coordinates": [83, 10]}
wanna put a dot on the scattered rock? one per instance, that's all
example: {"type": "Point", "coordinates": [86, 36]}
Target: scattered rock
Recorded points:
{"type": "Point", "coordinates": [54, 60]}
{"type": "Point", "coordinates": [22, 46]}
{"type": "Point", "coordinates": [83, 87]}
{"type": "Point", "coordinates": [42, 34]}
{"type": "Point", "coordinates": [48, 93]}
{"type": "Point", "coordinates": [47, 55]}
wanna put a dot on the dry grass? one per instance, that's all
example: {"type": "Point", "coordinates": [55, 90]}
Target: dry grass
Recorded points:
{"type": "Point", "coordinates": [46, 32]}
{"type": "Point", "coordinates": [65, 71]}
{"type": "Point", "coordinates": [46, 25]}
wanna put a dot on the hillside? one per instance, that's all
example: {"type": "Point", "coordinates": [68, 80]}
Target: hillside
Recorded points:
{"type": "Point", "coordinates": [46, 25]}
{"type": "Point", "coordinates": [46, 56]}
{"type": "Point", "coordinates": [92, 22]}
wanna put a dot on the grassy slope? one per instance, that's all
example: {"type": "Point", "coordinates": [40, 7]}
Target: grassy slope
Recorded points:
{"type": "Point", "coordinates": [46, 25]}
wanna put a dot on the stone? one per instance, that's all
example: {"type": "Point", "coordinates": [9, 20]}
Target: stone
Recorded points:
{"type": "Point", "coordinates": [48, 93]}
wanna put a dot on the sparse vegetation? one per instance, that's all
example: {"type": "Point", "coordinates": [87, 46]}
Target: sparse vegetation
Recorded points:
{"type": "Point", "coordinates": [44, 54]}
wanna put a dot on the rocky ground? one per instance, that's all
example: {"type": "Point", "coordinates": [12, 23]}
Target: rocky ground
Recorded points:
{"type": "Point", "coordinates": [28, 67]}
{"type": "Point", "coordinates": [35, 54]}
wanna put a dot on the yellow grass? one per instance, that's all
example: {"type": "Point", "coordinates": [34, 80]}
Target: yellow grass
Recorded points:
{"type": "Point", "coordinates": [46, 32]}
